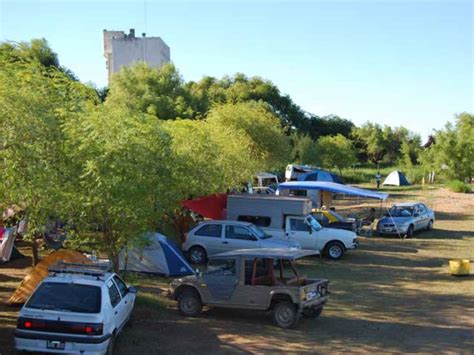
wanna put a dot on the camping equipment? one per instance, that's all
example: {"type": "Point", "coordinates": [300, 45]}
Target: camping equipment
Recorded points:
{"type": "Point", "coordinates": [160, 256]}
{"type": "Point", "coordinates": [396, 178]}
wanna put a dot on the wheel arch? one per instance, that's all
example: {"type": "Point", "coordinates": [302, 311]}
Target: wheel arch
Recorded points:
{"type": "Point", "coordinates": [186, 287]}
{"type": "Point", "coordinates": [277, 296]}
{"type": "Point", "coordinates": [325, 249]}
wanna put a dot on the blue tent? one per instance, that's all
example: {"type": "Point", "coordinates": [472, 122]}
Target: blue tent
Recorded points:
{"type": "Point", "coordinates": [396, 178]}
{"type": "Point", "coordinates": [320, 175]}
{"type": "Point", "coordinates": [160, 256]}
{"type": "Point", "coordinates": [331, 187]}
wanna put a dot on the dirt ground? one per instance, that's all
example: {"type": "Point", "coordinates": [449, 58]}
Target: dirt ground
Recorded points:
{"type": "Point", "coordinates": [391, 295]}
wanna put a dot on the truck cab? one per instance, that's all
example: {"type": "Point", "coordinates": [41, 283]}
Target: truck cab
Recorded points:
{"type": "Point", "coordinates": [307, 231]}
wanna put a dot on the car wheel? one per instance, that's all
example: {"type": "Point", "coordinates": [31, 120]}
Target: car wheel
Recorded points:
{"type": "Point", "coordinates": [430, 225]}
{"type": "Point", "coordinates": [197, 255]}
{"type": "Point", "coordinates": [285, 315]}
{"type": "Point", "coordinates": [335, 250]}
{"type": "Point", "coordinates": [189, 303]}
{"type": "Point", "coordinates": [312, 312]}
{"type": "Point", "coordinates": [110, 346]}
{"type": "Point", "coordinates": [409, 231]}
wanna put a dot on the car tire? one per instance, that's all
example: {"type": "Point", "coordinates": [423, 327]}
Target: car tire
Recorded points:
{"type": "Point", "coordinates": [285, 315]}
{"type": "Point", "coordinates": [409, 232]}
{"type": "Point", "coordinates": [197, 255]}
{"type": "Point", "coordinates": [189, 303]}
{"type": "Point", "coordinates": [312, 312]}
{"type": "Point", "coordinates": [430, 225]}
{"type": "Point", "coordinates": [110, 345]}
{"type": "Point", "coordinates": [335, 250]}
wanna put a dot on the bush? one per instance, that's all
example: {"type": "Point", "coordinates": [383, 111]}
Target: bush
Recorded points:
{"type": "Point", "coordinates": [459, 186]}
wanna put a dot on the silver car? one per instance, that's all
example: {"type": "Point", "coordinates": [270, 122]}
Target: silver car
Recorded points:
{"type": "Point", "coordinates": [406, 218]}
{"type": "Point", "coordinates": [214, 237]}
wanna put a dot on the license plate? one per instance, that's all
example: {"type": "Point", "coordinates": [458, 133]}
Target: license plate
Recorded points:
{"type": "Point", "coordinates": [311, 295]}
{"type": "Point", "coordinates": [388, 229]}
{"type": "Point", "coordinates": [54, 344]}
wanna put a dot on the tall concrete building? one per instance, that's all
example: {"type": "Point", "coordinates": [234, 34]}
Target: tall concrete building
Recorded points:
{"type": "Point", "coordinates": [122, 50]}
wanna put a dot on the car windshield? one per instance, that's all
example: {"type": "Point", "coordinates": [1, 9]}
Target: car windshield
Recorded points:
{"type": "Point", "coordinates": [259, 233]}
{"type": "Point", "coordinates": [67, 297]}
{"type": "Point", "coordinates": [313, 223]}
{"type": "Point", "coordinates": [398, 211]}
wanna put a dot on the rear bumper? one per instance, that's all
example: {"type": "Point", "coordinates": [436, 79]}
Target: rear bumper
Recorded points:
{"type": "Point", "coordinates": [36, 341]}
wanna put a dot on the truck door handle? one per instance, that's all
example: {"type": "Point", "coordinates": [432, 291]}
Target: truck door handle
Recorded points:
{"type": "Point", "coordinates": [225, 242]}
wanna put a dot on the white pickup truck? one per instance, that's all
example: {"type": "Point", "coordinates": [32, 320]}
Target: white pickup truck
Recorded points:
{"type": "Point", "coordinates": [289, 218]}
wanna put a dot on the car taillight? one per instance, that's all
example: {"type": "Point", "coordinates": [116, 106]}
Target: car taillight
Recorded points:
{"type": "Point", "coordinates": [60, 326]}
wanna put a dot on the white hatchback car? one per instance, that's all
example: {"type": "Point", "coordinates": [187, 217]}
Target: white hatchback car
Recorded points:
{"type": "Point", "coordinates": [77, 309]}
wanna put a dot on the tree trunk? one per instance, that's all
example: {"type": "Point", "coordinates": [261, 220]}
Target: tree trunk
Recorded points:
{"type": "Point", "coordinates": [34, 249]}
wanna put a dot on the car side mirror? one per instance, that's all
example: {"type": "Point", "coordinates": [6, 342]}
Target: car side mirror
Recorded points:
{"type": "Point", "coordinates": [310, 230]}
{"type": "Point", "coordinates": [132, 289]}
{"type": "Point", "coordinates": [416, 215]}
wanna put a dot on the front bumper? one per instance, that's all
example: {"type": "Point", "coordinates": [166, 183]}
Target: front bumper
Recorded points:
{"type": "Point", "coordinates": [354, 245]}
{"type": "Point", "coordinates": [317, 302]}
{"type": "Point", "coordinates": [37, 342]}
{"type": "Point", "coordinates": [392, 230]}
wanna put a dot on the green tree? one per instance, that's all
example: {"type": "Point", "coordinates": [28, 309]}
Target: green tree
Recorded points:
{"type": "Point", "coordinates": [304, 149]}
{"type": "Point", "coordinates": [35, 102]}
{"type": "Point", "coordinates": [156, 91]}
{"type": "Point", "coordinates": [335, 152]}
{"type": "Point", "coordinates": [120, 176]}
{"type": "Point", "coordinates": [453, 153]}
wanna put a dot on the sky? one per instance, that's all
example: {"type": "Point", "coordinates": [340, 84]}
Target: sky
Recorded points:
{"type": "Point", "coordinates": [395, 62]}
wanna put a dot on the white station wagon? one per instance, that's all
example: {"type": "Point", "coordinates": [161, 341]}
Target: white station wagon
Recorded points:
{"type": "Point", "coordinates": [77, 309]}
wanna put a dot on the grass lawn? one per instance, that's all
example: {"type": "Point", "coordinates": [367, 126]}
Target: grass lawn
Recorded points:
{"type": "Point", "coordinates": [391, 295]}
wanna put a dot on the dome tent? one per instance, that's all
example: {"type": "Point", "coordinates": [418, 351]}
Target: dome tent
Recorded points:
{"type": "Point", "coordinates": [320, 175]}
{"type": "Point", "coordinates": [396, 178]}
{"type": "Point", "coordinates": [160, 256]}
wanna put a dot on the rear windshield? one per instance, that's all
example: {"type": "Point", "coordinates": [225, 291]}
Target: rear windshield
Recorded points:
{"type": "Point", "coordinates": [67, 297]}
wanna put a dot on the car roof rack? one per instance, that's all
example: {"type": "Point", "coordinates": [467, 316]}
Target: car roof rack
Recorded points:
{"type": "Point", "coordinates": [96, 269]}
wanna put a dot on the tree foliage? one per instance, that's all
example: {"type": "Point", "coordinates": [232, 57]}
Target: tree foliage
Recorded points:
{"type": "Point", "coordinates": [335, 152]}
{"type": "Point", "coordinates": [453, 153]}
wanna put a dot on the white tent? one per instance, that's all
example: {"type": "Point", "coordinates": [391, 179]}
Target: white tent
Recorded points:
{"type": "Point", "coordinates": [396, 178]}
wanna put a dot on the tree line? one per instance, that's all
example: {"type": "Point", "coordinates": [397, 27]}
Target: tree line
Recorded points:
{"type": "Point", "coordinates": [116, 162]}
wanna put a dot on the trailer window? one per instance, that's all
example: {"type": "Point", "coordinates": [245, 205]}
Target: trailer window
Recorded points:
{"type": "Point", "coordinates": [259, 221]}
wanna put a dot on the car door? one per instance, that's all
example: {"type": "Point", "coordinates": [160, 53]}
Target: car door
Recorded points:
{"type": "Point", "coordinates": [127, 297]}
{"type": "Point", "coordinates": [418, 217]}
{"type": "Point", "coordinates": [221, 278]}
{"type": "Point", "coordinates": [118, 306]}
{"type": "Point", "coordinates": [210, 237]}
{"type": "Point", "coordinates": [424, 215]}
{"type": "Point", "coordinates": [239, 237]}
{"type": "Point", "coordinates": [298, 230]}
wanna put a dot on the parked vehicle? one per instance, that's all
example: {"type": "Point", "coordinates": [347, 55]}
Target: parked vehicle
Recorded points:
{"type": "Point", "coordinates": [214, 237]}
{"type": "Point", "coordinates": [406, 218]}
{"type": "Point", "coordinates": [290, 219]}
{"type": "Point", "coordinates": [332, 219]}
{"type": "Point", "coordinates": [293, 171]}
{"type": "Point", "coordinates": [76, 309]}
{"type": "Point", "coordinates": [259, 279]}
{"type": "Point", "coordinates": [265, 180]}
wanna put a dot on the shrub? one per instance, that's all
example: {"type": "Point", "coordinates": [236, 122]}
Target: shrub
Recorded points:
{"type": "Point", "coordinates": [459, 186]}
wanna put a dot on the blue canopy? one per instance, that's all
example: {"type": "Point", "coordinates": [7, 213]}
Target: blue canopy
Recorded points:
{"type": "Point", "coordinates": [320, 175]}
{"type": "Point", "coordinates": [331, 187]}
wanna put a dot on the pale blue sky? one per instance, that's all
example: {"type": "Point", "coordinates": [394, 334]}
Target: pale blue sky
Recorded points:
{"type": "Point", "coordinates": [394, 62]}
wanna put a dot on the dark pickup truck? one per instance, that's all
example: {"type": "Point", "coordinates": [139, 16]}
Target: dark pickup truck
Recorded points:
{"type": "Point", "coordinates": [260, 279]}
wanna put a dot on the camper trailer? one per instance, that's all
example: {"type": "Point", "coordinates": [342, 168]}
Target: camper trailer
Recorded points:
{"type": "Point", "coordinates": [289, 218]}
